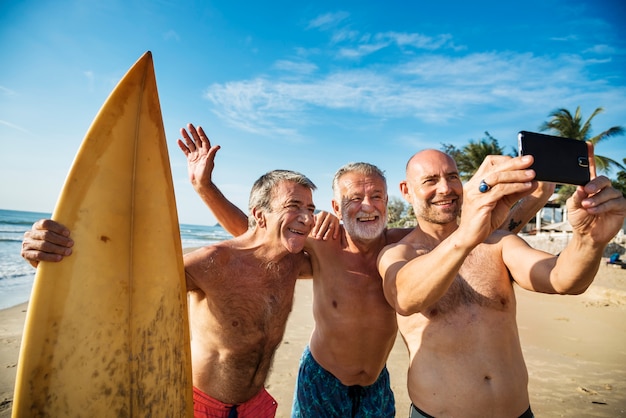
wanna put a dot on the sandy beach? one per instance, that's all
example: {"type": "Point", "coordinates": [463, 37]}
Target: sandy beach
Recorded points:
{"type": "Point", "coordinates": [575, 350]}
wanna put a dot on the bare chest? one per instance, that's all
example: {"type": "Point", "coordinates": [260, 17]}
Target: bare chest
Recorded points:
{"type": "Point", "coordinates": [350, 282]}
{"type": "Point", "coordinates": [482, 281]}
{"type": "Point", "coordinates": [252, 302]}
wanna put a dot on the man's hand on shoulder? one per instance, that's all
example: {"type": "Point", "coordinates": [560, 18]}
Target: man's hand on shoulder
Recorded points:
{"type": "Point", "coordinates": [326, 226]}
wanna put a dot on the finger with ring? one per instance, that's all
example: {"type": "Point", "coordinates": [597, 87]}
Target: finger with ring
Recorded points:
{"type": "Point", "coordinates": [483, 187]}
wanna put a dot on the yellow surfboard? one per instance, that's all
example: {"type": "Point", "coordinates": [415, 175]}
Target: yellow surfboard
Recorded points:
{"type": "Point", "coordinates": [106, 331]}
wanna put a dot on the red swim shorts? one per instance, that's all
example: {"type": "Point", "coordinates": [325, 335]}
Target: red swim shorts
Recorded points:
{"type": "Point", "coordinates": [262, 405]}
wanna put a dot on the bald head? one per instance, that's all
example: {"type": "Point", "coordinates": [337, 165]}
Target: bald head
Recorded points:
{"type": "Point", "coordinates": [429, 160]}
{"type": "Point", "coordinates": [433, 187]}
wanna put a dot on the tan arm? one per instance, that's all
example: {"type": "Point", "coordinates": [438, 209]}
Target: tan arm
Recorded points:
{"type": "Point", "coordinates": [200, 163]}
{"type": "Point", "coordinates": [524, 210]}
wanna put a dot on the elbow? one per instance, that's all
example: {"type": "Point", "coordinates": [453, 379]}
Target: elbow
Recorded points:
{"type": "Point", "coordinates": [576, 290]}
{"type": "Point", "coordinates": [404, 303]}
{"type": "Point", "coordinates": [573, 290]}
{"type": "Point", "coordinates": [404, 311]}
{"type": "Point", "coordinates": [405, 307]}
{"type": "Point", "coordinates": [401, 291]}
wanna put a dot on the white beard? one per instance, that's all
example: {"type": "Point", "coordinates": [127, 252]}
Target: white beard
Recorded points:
{"type": "Point", "coordinates": [365, 231]}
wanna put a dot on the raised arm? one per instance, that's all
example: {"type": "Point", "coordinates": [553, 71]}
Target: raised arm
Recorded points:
{"type": "Point", "coordinates": [527, 207]}
{"type": "Point", "coordinates": [596, 213]}
{"type": "Point", "coordinates": [200, 163]}
{"type": "Point", "coordinates": [407, 288]}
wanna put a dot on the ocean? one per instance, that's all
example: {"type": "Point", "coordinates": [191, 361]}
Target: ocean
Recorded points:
{"type": "Point", "coordinates": [16, 275]}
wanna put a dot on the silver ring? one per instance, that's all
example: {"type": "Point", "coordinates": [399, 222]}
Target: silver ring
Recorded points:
{"type": "Point", "coordinates": [483, 187]}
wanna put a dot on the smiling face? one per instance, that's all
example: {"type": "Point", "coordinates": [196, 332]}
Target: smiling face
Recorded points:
{"type": "Point", "coordinates": [362, 205]}
{"type": "Point", "coordinates": [433, 187]}
{"type": "Point", "coordinates": [291, 215]}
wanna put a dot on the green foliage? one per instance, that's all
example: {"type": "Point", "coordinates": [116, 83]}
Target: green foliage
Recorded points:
{"type": "Point", "coordinates": [395, 210]}
{"type": "Point", "coordinates": [564, 191]}
{"type": "Point", "coordinates": [471, 156]}
{"type": "Point", "coordinates": [400, 214]}
{"type": "Point", "coordinates": [620, 182]}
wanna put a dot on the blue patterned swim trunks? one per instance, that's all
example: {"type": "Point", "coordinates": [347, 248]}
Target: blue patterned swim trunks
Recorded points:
{"type": "Point", "coordinates": [320, 394]}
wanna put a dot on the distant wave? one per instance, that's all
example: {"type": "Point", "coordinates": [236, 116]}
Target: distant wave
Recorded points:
{"type": "Point", "coordinates": [9, 239]}
{"type": "Point", "coordinates": [7, 276]}
{"type": "Point", "coordinates": [18, 222]}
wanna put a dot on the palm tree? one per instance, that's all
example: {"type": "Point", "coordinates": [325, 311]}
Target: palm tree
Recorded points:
{"type": "Point", "coordinates": [620, 182]}
{"type": "Point", "coordinates": [471, 156]}
{"type": "Point", "coordinates": [566, 125]}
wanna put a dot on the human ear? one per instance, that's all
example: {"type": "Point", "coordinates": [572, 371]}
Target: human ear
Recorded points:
{"type": "Point", "coordinates": [336, 208]}
{"type": "Point", "coordinates": [259, 217]}
{"type": "Point", "coordinates": [404, 188]}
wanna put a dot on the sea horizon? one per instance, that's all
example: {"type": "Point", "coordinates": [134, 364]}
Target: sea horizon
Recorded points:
{"type": "Point", "coordinates": [17, 275]}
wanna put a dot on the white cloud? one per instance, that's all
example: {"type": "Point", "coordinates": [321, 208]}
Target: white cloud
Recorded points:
{"type": "Point", "coordinates": [354, 45]}
{"type": "Point", "coordinates": [567, 38]}
{"type": "Point", "coordinates": [171, 35]}
{"type": "Point", "coordinates": [13, 126]}
{"type": "Point", "coordinates": [6, 91]}
{"type": "Point", "coordinates": [361, 50]}
{"type": "Point", "coordinates": [295, 67]}
{"type": "Point", "coordinates": [327, 20]}
{"type": "Point", "coordinates": [417, 40]}
{"type": "Point", "coordinates": [344, 35]}
{"type": "Point", "coordinates": [430, 88]}
{"type": "Point", "coordinates": [601, 50]}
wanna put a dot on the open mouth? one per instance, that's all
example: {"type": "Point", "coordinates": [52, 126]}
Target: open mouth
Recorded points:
{"type": "Point", "coordinates": [295, 231]}
{"type": "Point", "coordinates": [444, 202]}
{"type": "Point", "coordinates": [367, 218]}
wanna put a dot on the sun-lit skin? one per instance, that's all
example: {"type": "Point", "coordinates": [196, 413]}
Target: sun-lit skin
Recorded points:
{"type": "Point", "coordinates": [435, 189]}
{"type": "Point", "coordinates": [250, 280]}
{"type": "Point", "coordinates": [294, 214]}
{"type": "Point", "coordinates": [451, 280]}
{"type": "Point", "coordinates": [349, 307]}
{"type": "Point", "coordinates": [363, 207]}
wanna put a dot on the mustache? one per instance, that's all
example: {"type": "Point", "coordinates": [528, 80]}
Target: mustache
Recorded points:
{"type": "Point", "coordinates": [368, 215]}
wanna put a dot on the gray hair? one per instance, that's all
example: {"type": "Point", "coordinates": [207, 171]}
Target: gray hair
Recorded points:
{"type": "Point", "coordinates": [365, 169]}
{"type": "Point", "coordinates": [261, 193]}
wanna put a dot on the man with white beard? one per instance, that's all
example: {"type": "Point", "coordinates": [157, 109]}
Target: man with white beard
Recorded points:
{"type": "Point", "coordinates": [342, 371]}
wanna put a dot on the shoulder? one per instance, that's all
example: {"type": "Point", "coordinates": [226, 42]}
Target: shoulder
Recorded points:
{"type": "Point", "coordinates": [302, 262]}
{"type": "Point", "coordinates": [329, 244]}
{"type": "Point", "coordinates": [396, 234]}
{"type": "Point", "coordinates": [402, 250]}
{"type": "Point", "coordinates": [213, 253]}
{"type": "Point", "coordinates": [504, 238]}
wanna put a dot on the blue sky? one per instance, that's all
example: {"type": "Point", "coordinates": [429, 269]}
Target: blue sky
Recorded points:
{"type": "Point", "coordinates": [307, 86]}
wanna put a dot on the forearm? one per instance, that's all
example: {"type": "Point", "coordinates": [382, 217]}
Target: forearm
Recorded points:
{"type": "Point", "coordinates": [577, 265]}
{"type": "Point", "coordinates": [528, 207]}
{"type": "Point", "coordinates": [423, 280]}
{"type": "Point", "coordinates": [229, 216]}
